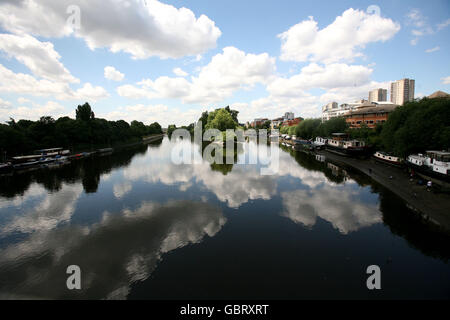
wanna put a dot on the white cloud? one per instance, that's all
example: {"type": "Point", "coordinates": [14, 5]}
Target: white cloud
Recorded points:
{"type": "Point", "coordinates": [325, 77]}
{"type": "Point", "coordinates": [112, 74]}
{"type": "Point", "coordinates": [339, 208]}
{"type": "Point", "coordinates": [51, 108]}
{"type": "Point", "coordinates": [90, 93]}
{"type": "Point", "coordinates": [227, 72]}
{"type": "Point", "coordinates": [40, 57]}
{"type": "Point", "coordinates": [4, 104]}
{"type": "Point", "coordinates": [446, 80]}
{"type": "Point", "coordinates": [26, 84]}
{"type": "Point", "coordinates": [122, 189]}
{"type": "Point", "coordinates": [180, 72]}
{"type": "Point", "coordinates": [340, 82]}
{"type": "Point", "coordinates": [443, 25]}
{"type": "Point", "coordinates": [23, 100]}
{"type": "Point", "coordinates": [341, 40]}
{"type": "Point", "coordinates": [153, 113]}
{"type": "Point", "coordinates": [420, 24]}
{"type": "Point", "coordinates": [433, 49]}
{"type": "Point", "coordinates": [154, 29]}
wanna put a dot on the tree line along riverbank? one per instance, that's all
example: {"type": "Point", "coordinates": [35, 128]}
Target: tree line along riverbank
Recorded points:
{"type": "Point", "coordinates": [85, 132]}
{"type": "Point", "coordinates": [415, 127]}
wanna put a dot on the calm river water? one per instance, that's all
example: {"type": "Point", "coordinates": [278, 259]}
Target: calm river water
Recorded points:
{"type": "Point", "coordinates": [141, 227]}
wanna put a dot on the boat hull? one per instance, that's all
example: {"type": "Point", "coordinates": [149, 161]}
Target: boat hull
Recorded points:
{"type": "Point", "coordinates": [427, 173]}
{"type": "Point", "coordinates": [349, 152]}
{"type": "Point", "coordinates": [389, 162]}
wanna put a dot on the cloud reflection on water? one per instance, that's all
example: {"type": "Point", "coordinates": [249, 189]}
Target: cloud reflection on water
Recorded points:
{"type": "Point", "coordinates": [112, 254]}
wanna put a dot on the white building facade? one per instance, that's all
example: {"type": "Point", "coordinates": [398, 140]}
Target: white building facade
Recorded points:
{"type": "Point", "coordinates": [402, 91]}
{"type": "Point", "coordinates": [378, 95]}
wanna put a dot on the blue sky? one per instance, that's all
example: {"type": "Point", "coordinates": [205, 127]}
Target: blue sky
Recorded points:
{"type": "Point", "coordinates": [167, 61]}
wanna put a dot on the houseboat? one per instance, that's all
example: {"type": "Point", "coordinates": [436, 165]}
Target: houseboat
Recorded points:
{"type": "Point", "coordinates": [388, 158]}
{"type": "Point", "coordinates": [340, 144]}
{"type": "Point", "coordinates": [434, 164]}
{"type": "Point", "coordinates": [22, 162]}
{"type": "Point", "coordinates": [320, 143]}
{"type": "Point", "coordinates": [52, 152]}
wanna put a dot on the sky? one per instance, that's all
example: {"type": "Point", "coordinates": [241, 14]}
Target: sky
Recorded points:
{"type": "Point", "coordinates": [168, 61]}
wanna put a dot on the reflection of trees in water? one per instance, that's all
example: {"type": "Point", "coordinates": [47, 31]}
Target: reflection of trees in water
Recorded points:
{"type": "Point", "coordinates": [402, 221]}
{"type": "Point", "coordinates": [420, 234]}
{"type": "Point", "coordinates": [87, 171]}
{"type": "Point", "coordinates": [224, 167]}
{"type": "Point", "coordinates": [309, 162]}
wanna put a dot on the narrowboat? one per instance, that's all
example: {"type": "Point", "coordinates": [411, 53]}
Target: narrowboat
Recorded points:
{"type": "Point", "coordinates": [341, 145]}
{"type": "Point", "coordinates": [52, 152]}
{"type": "Point", "coordinates": [388, 158]}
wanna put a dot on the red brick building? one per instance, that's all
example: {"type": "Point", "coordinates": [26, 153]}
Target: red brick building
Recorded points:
{"type": "Point", "coordinates": [290, 123]}
{"type": "Point", "coordinates": [371, 116]}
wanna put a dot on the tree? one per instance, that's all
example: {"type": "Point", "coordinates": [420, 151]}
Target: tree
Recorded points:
{"type": "Point", "coordinates": [84, 112]}
{"type": "Point", "coordinates": [221, 119]}
{"type": "Point", "coordinates": [203, 120]}
{"type": "Point", "coordinates": [233, 113]}
{"type": "Point", "coordinates": [308, 129]}
{"type": "Point", "coordinates": [154, 128]}
{"type": "Point", "coordinates": [332, 126]}
{"type": "Point", "coordinates": [417, 126]}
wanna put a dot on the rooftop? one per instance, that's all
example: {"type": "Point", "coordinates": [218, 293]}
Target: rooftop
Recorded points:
{"type": "Point", "coordinates": [439, 94]}
{"type": "Point", "coordinates": [376, 109]}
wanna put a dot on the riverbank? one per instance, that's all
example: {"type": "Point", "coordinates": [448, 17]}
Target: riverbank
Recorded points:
{"type": "Point", "coordinates": [432, 206]}
{"type": "Point", "coordinates": [54, 162]}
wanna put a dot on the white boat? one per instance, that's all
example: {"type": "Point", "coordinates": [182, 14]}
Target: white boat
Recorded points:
{"type": "Point", "coordinates": [341, 145]}
{"type": "Point", "coordinates": [388, 158]}
{"type": "Point", "coordinates": [435, 164]}
{"type": "Point", "coordinates": [320, 142]}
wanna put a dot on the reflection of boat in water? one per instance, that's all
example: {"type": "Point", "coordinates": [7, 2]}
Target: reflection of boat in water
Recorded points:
{"type": "Point", "coordinates": [388, 158]}
{"type": "Point", "coordinates": [105, 150]}
{"type": "Point", "coordinates": [337, 171]}
{"type": "Point", "coordinates": [340, 144]}
{"type": "Point", "coordinates": [434, 165]}
{"type": "Point", "coordinates": [320, 158]}
{"type": "Point", "coordinates": [22, 162]}
{"type": "Point", "coordinates": [303, 145]}
{"type": "Point", "coordinates": [5, 168]}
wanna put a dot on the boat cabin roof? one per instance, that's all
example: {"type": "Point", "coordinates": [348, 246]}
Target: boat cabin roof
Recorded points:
{"type": "Point", "coordinates": [27, 157]}
{"type": "Point", "coordinates": [339, 134]}
{"type": "Point", "coordinates": [439, 155]}
{"type": "Point", "coordinates": [49, 150]}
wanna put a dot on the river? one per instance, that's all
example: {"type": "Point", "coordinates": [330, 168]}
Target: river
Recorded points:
{"type": "Point", "coordinates": [140, 226]}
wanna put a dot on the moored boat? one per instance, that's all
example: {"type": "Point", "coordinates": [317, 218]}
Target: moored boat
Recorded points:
{"type": "Point", "coordinates": [105, 150]}
{"type": "Point", "coordinates": [434, 164]}
{"type": "Point", "coordinates": [303, 145]}
{"type": "Point", "coordinates": [388, 158]}
{"type": "Point", "coordinates": [320, 143]}
{"type": "Point", "coordinates": [52, 152]}
{"type": "Point", "coordinates": [340, 144]}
